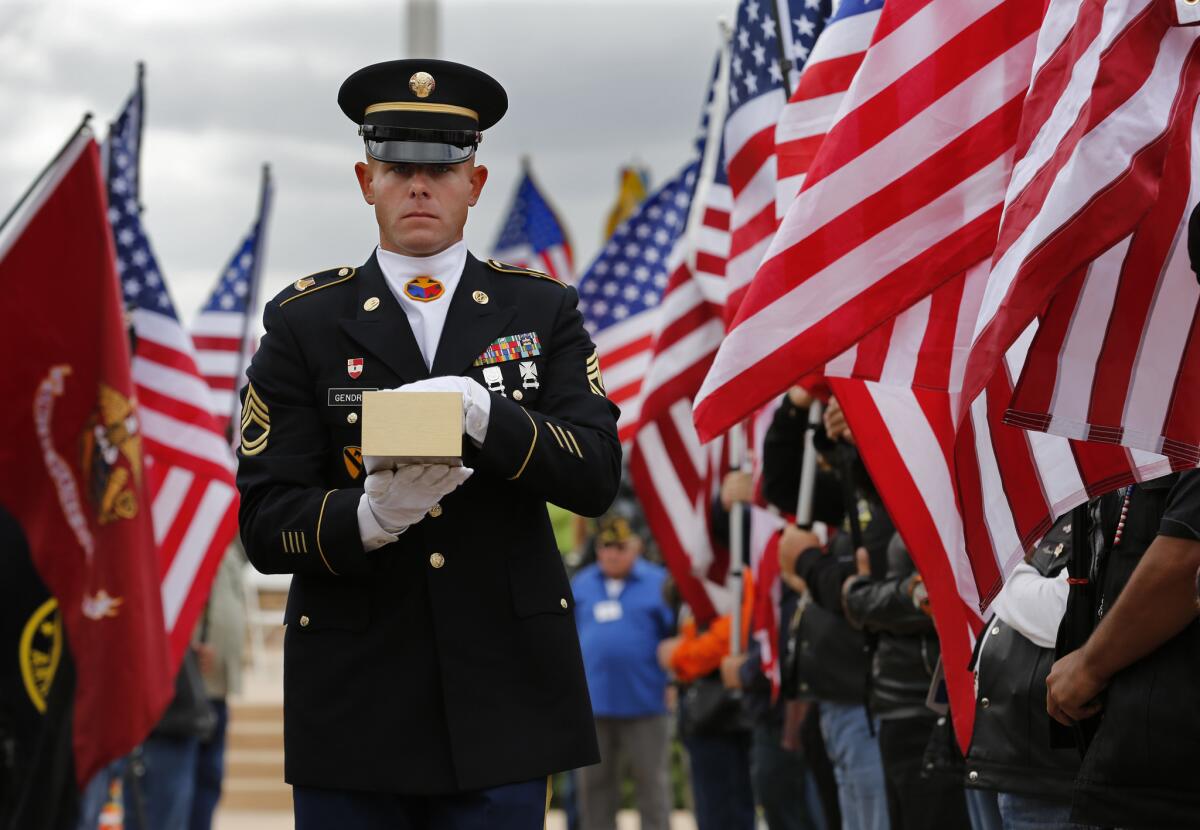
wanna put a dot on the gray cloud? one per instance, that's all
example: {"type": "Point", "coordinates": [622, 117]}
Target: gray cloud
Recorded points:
{"type": "Point", "coordinates": [592, 85]}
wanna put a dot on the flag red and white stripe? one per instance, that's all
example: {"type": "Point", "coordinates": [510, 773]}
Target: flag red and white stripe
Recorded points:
{"type": "Point", "coordinates": [1092, 235]}
{"type": "Point", "coordinates": [905, 194]}
{"type": "Point", "coordinates": [814, 104]}
{"type": "Point", "coordinates": [970, 500]}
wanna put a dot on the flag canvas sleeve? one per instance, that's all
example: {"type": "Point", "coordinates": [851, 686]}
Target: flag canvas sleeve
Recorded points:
{"type": "Point", "coordinates": [72, 471]}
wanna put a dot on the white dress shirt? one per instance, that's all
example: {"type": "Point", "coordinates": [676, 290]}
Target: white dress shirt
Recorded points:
{"type": "Point", "coordinates": [426, 319]}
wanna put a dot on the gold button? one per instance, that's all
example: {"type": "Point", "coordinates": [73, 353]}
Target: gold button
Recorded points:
{"type": "Point", "coordinates": [984, 702]}
{"type": "Point", "coordinates": [480, 297]}
{"type": "Point", "coordinates": [563, 602]}
{"type": "Point", "coordinates": [437, 560]}
{"type": "Point", "coordinates": [371, 304]}
{"type": "Point", "coordinates": [343, 272]}
{"type": "Point", "coordinates": [435, 511]}
{"type": "Point", "coordinates": [352, 418]}
{"type": "Point", "coordinates": [304, 621]}
{"type": "Point", "coordinates": [518, 394]}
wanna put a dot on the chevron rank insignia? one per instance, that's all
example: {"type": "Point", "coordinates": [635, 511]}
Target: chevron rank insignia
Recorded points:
{"type": "Point", "coordinates": [512, 347]}
{"type": "Point", "coordinates": [256, 423]}
{"type": "Point", "coordinates": [595, 381]}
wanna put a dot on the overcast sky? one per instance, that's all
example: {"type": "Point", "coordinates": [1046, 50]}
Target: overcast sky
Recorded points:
{"type": "Point", "coordinates": [234, 83]}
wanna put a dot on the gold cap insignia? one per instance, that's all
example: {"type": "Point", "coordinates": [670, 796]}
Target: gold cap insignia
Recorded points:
{"type": "Point", "coordinates": [422, 84]}
{"type": "Point", "coordinates": [480, 297]}
{"type": "Point", "coordinates": [301, 284]}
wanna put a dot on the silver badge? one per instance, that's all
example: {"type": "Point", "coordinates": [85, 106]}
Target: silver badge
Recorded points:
{"type": "Point", "coordinates": [494, 379]}
{"type": "Point", "coordinates": [529, 377]}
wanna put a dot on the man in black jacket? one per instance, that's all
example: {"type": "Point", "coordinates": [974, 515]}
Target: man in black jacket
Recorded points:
{"type": "Point", "coordinates": [830, 658]}
{"type": "Point", "coordinates": [432, 669]}
{"type": "Point", "coordinates": [1128, 678]}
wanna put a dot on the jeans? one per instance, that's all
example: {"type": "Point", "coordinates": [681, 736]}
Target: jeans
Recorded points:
{"type": "Point", "coordinates": [99, 791]}
{"type": "Point", "coordinates": [721, 787]}
{"type": "Point", "coordinates": [984, 811]}
{"type": "Point", "coordinates": [167, 781]}
{"type": "Point", "coordinates": [1027, 812]}
{"type": "Point", "coordinates": [854, 753]}
{"type": "Point", "coordinates": [210, 769]}
{"type": "Point", "coordinates": [781, 782]}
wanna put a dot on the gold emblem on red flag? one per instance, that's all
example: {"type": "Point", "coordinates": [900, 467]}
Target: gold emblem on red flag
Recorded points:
{"type": "Point", "coordinates": [112, 457]}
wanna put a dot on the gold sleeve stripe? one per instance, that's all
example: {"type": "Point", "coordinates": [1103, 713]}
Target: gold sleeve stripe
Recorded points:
{"type": "Point", "coordinates": [574, 443]}
{"type": "Point", "coordinates": [320, 516]}
{"type": "Point", "coordinates": [287, 547]}
{"type": "Point", "coordinates": [528, 455]}
{"type": "Point", "coordinates": [303, 543]}
{"type": "Point", "coordinates": [312, 291]}
{"type": "Point", "coordinates": [557, 437]}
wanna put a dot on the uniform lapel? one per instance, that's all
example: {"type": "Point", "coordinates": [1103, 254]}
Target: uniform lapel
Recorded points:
{"type": "Point", "coordinates": [470, 325]}
{"type": "Point", "coordinates": [384, 331]}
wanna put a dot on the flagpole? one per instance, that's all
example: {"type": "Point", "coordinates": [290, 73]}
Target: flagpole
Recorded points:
{"type": "Point", "coordinates": [85, 124]}
{"type": "Point", "coordinates": [264, 205]}
{"type": "Point", "coordinates": [712, 144]}
{"type": "Point", "coordinates": [739, 459]}
{"type": "Point", "coordinates": [785, 63]}
{"type": "Point", "coordinates": [141, 120]}
{"type": "Point", "coordinates": [808, 468]}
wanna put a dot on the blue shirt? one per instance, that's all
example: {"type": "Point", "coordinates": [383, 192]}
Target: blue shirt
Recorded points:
{"type": "Point", "coordinates": [619, 635]}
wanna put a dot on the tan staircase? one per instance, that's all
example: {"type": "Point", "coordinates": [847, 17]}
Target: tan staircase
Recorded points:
{"type": "Point", "coordinates": [254, 759]}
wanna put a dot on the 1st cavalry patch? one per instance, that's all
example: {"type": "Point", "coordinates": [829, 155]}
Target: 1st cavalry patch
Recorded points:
{"type": "Point", "coordinates": [352, 458]}
{"type": "Point", "coordinates": [595, 381]}
{"type": "Point", "coordinates": [423, 289]}
{"type": "Point", "coordinates": [512, 347]}
{"type": "Point", "coordinates": [256, 423]}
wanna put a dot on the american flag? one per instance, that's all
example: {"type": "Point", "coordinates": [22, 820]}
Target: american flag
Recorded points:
{"type": "Point", "coordinates": [827, 74]}
{"type": "Point", "coordinates": [533, 236]}
{"type": "Point", "coordinates": [757, 93]}
{"type": "Point", "coordinates": [968, 498]}
{"type": "Point", "coordinates": [905, 194]}
{"type": "Point", "coordinates": [221, 331]}
{"type": "Point", "coordinates": [190, 467]}
{"type": "Point", "coordinates": [675, 478]}
{"type": "Point", "coordinates": [1095, 221]}
{"type": "Point", "coordinates": [620, 291]}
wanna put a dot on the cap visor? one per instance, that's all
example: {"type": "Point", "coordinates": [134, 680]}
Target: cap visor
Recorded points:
{"type": "Point", "coordinates": [418, 152]}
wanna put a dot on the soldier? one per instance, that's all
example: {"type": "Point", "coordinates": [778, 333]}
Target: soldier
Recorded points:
{"type": "Point", "coordinates": [432, 670]}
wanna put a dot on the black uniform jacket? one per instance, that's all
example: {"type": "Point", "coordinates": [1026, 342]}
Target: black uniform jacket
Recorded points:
{"type": "Point", "coordinates": [446, 661]}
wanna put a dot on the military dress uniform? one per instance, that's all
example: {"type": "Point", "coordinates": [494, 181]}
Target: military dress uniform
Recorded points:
{"type": "Point", "coordinates": [446, 661]}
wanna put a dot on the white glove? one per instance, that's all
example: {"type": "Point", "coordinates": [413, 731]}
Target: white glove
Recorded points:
{"type": "Point", "coordinates": [477, 401]}
{"type": "Point", "coordinates": [400, 498]}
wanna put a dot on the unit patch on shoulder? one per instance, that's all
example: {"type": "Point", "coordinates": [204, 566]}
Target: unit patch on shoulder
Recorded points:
{"type": "Point", "coordinates": [505, 268]}
{"type": "Point", "coordinates": [595, 380]}
{"type": "Point", "coordinates": [40, 652]}
{"type": "Point", "coordinates": [256, 423]}
{"type": "Point", "coordinates": [353, 459]}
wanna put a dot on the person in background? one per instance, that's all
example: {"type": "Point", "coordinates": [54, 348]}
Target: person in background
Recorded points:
{"type": "Point", "coordinates": [1010, 753]}
{"type": "Point", "coordinates": [715, 732]}
{"type": "Point", "coordinates": [831, 659]}
{"type": "Point", "coordinates": [622, 617]}
{"type": "Point", "coordinates": [1127, 679]}
{"type": "Point", "coordinates": [219, 642]}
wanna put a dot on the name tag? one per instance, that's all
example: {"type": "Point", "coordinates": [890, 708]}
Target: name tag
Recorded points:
{"type": "Point", "coordinates": [607, 611]}
{"type": "Point", "coordinates": [347, 397]}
